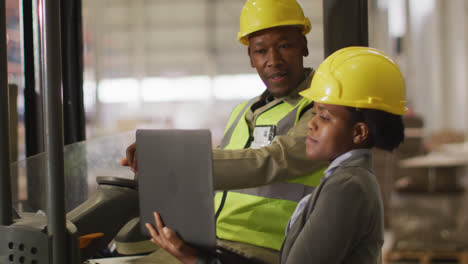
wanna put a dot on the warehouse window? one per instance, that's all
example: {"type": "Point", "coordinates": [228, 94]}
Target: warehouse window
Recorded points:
{"type": "Point", "coordinates": [190, 88]}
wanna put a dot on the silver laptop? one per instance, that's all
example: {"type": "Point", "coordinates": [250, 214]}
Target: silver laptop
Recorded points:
{"type": "Point", "coordinates": [175, 178]}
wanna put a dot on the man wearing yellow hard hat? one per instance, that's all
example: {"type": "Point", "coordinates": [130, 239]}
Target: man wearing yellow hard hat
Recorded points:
{"type": "Point", "coordinates": [274, 32]}
{"type": "Point", "coordinates": [359, 99]}
{"type": "Point", "coordinates": [263, 143]}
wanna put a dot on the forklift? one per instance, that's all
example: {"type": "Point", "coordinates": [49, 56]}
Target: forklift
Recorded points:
{"type": "Point", "coordinates": [110, 213]}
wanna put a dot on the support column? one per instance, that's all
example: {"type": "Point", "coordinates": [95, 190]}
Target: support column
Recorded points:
{"type": "Point", "coordinates": [52, 73]}
{"type": "Point", "coordinates": [345, 23]}
{"type": "Point", "coordinates": [5, 184]}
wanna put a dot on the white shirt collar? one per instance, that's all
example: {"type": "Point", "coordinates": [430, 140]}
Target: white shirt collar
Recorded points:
{"type": "Point", "coordinates": [348, 156]}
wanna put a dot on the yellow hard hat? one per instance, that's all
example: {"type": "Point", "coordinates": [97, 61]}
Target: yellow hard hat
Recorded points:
{"type": "Point", "coordinates": [262, 14]}
{"type": "Point", "coordinates": [359, 77]}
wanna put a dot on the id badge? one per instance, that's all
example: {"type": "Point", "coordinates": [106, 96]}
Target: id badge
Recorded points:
{"type": "Point", "coordinates": [263, 136]}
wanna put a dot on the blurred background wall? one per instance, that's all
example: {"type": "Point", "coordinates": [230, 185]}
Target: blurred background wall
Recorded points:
{"type": "Point", "coordinates": [178, 63]}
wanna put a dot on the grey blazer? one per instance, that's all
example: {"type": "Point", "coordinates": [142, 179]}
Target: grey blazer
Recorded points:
{"type": "Point", "coordinates": [342, 222]}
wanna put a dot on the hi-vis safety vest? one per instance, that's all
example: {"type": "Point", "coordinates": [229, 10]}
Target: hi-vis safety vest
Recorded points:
{"type": "Point", "coordinates": [259, 215]}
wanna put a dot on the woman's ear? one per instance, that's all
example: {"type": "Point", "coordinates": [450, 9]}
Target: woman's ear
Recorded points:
{"type": "Point", "coordinates": [360, 133]}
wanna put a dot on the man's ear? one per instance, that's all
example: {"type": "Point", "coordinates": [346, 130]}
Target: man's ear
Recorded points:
{"type": "Point", "coordinates": [250, 57]}
{"type": "Point", "coordinates": [360, 133]}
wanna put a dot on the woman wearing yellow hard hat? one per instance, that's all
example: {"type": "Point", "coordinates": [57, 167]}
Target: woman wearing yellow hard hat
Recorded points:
{"type": "Point", "coordinates": [359, 98]}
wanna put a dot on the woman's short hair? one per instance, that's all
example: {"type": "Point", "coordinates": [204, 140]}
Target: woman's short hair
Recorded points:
{"type": "Point", "coordinates": [386, 130]}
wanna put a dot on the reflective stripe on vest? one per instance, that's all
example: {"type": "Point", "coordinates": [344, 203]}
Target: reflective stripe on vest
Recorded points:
{"type": "Point", "coordinates": [238, 112]}
{"type": "Point", "coordinates": [259, 215]}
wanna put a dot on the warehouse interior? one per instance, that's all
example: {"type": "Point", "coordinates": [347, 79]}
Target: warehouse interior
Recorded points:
{"type": "Point", "coordinates": [176, 64]}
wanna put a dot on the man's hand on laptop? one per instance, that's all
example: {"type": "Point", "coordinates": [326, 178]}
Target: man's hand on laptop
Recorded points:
{"type": "Point", "coordinates": [168, 240]}
{"type": "Point", "coordinates": [130, 159]}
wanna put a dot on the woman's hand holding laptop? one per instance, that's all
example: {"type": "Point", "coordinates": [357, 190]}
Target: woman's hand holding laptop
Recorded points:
{"type": "Point", "coordinates": [164, 237]}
